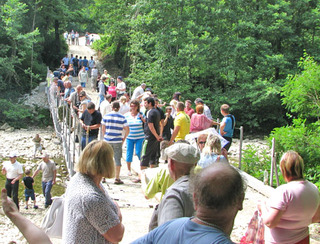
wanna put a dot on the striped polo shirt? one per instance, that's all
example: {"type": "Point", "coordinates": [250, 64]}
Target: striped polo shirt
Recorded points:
{"type": "Point", "coordinates": [114, 123]}
{"type": "Point", "coordinates": [135, 126]}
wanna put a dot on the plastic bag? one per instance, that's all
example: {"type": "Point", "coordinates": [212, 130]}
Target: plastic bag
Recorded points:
{"type": "Point", "coordinates": [255, 231]}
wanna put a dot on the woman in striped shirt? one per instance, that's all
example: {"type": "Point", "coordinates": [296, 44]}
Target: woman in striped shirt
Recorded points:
{"type": "Point", "coordinates": [135, 121]}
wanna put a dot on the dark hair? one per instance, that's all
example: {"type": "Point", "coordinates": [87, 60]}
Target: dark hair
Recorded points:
{"type": "Point", "coordinates": [150, 100]}
{"type": "Point", "coordinates": [221, 192]}
{"type": "Point", "coordinates": [176, 96]}
{"type": "Point", "coordinates": [136, 103]}
{"type": "Point", "coordinates": [91, 105]}
{"type": "Point", "coordinates": [115, 106]}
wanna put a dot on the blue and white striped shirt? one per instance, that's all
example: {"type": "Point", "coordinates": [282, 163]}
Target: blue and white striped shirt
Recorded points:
{"type": "Point", "coordinates": [135, 126]}
{"type": "Point", "coordinates": [114, 123]}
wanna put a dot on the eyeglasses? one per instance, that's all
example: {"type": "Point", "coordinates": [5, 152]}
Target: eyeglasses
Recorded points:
{"type": "Point", "coordinates": [202, 142]}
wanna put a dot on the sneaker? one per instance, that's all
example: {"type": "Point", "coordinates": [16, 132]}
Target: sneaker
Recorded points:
{"type": "Point", "coordinates": [26, 207]}
{"type": "Point", "coordinates": [35, 207]}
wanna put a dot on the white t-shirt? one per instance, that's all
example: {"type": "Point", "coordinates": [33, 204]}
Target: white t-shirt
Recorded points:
{"type": "Point", "coordinates": [105, 107]}
{"type": "Point", "coordinates": [13, 170]}
{"type": "Point", "coordinates": [137, 92]}
{"type": "Point", "coordinates": [121, 85]}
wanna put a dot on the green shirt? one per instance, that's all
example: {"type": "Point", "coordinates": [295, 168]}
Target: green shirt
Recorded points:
{"type": "Point", "coordinates": [159, 183]}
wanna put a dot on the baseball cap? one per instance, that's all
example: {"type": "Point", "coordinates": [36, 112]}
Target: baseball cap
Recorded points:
{"type": "Point", "coordinates": [183, 153]}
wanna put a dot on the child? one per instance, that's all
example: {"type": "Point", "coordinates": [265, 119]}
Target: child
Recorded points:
{"type": "Point", "coordinates": [168, 124]}
{"type": "Point", "coordinates": [29, 192]}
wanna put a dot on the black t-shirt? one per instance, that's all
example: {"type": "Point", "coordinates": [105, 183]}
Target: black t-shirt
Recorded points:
{"type": "Point", "coordinates": [162, 116]}
{"type": "Point", "coordinates": [91, 119]}
{"type": "Point", "coordinates": [153, 116]}
{"type": "Point", "coordinates": [27, 180]}
{"type": "Point", "coordinates": [75, 62]}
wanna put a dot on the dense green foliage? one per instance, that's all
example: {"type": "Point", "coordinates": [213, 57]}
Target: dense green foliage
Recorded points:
{"type": "Point", "coordinates": [301, 96]}
{"type": "Point", "coordinates": [31, 39]}
{"type": "Point", "coordinates": [22, 116]}
{"type": "Point", "coordinates": [236, 52]}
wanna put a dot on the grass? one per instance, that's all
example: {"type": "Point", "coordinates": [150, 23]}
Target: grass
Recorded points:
{"type": "Point", "coordinates": [57, 190]}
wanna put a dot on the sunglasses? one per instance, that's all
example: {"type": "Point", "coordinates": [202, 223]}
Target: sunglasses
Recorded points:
{"type": "Point", "coordinates": [202, 142]}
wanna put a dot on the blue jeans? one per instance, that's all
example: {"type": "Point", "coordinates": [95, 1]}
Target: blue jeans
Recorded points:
{"type": "Point", "coordinates": [130, 147]}
{"type": "Point", "coordinates": [83, 140]}
{"type": "Point", "coordinates": [46, 189]}
{"type": "Point", "coordinates": [101, 98]}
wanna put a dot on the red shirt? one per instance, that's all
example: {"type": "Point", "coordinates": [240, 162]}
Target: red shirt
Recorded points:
{"type": "Point", "coordinates": [189, 111]}
{"type": "Point", "coordinates": [112, 91]}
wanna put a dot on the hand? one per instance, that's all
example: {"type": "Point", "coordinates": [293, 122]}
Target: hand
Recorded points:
{"type": "Point", "coordinates": [159, 138]}
{"type": "Point", "coordinates": [9, 207]}
{"type": "Point", "coordinates": [13, 181]}
{"type": "Point", "coordinates": [53, 182]}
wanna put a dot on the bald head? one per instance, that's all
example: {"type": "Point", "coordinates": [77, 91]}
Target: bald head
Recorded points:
{"type": "Point", "coordinates": [218, 187]}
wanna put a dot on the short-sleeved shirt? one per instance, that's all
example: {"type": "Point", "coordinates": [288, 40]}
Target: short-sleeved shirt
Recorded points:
{"type": "Point", "coordinates": [89, 212]}
{"type": "Point", "coordinates": [112, 91]}
{"type": "Point", "coordinates": [121, 85]}
{"type": "Point", "coordinates": [185, 231]}
{"type": "Point", "coordinates": [208, 159]}
{"type": "Point", "coordinates": [27, 181]}
{"type": "Point", "coordinates": [13, 170]}
{"type": "Point", "coordinates": [159, 183]}
{"type": "Point", "coordinates": [176, 203]}
{"type": "Point", "coordinates": [182, 120]}
{"type": "Point", "coordinates": [199, 122]}
{"type": "Point", "coordinates": [228, 125]}
{"type": "Point", "coordinates": [47, 170]}
{"type": "Point", "coordinates": [135, 126]}
{"type": "Point", "coordinates": [299, 200]}
{"type": "Point", "coordinates": [189, 111]}
{"type": "Point", "coordinates": [83, 75]}
{"type": "Point", "coordinates": [105, 107]}
{"type": "Point", "coordinates": [91, 119]}
{"type": "Point", "coordinates": [137, 92]}
{"type": "Point", "coordinates": [114, 123]}
{"type": "Point", "coordinates": [153, 116]}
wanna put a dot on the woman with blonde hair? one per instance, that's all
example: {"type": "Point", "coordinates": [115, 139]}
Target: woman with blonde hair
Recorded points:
{"type": "Point", "coordinates": [293, 206]}
{"type": "Point", "coordinates": [211, 152]}
{"type": "Point", "coordinates": [90, 215]}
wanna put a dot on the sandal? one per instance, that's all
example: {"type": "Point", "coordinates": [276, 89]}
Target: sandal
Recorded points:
{"type": "Point", "coordinates": [136, 181]}
{"type": "Point", "coordinates": [118, 182]}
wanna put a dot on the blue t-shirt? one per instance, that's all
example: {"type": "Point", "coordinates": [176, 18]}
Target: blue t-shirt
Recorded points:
{"type": "Point", "coordinates": [114, 123]}
{"type": "Point", "coordinates": [185, 231]}
{"type": "Point", "coordinates": [135, 126]}
{"type": "Point", "coordinates": [208, 159]}
{"type": "Point", "coordinates": [228, 127]}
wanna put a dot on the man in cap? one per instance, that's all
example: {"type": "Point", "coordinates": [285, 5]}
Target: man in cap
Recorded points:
{"type": "Point", "coordinates": [138, 92]}
{"type": "Point", "coordinates": [177, 201]}
{"type": "Point", "coordinates": [218, 194]}
{"type": "Point", "coordinates": [14, 172]}
{"type": "Point", "coordinates": [49, 173]}
{"type": "Point", "coordinates": [206, 109]}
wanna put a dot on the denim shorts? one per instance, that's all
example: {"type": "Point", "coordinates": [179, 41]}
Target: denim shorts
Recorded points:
{"type": "Point", "coordinates": [29, 193]}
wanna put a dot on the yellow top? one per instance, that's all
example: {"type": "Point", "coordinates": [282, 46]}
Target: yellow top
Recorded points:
{"type": "Point", "coordinates": [182, 120]}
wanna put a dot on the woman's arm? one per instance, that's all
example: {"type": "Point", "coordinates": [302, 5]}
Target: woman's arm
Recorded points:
{"type": "Point", "coordinates": [316, 216]}
{"type": "Point", "coordinates": [270, 216]}
{"type": "Point", "coordinates": [31, 232]}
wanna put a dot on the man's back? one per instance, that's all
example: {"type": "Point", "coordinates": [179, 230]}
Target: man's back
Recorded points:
{"type": "Point", "coordinates": [183, 230]}
{"type": "Point", "coordinates": [176, 203]}
{"type": "Point", "coordinates": [153, 116]}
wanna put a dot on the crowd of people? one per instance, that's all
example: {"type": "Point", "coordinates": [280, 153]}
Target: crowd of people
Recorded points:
{"type": "Point", "coordinates": [201, 193]}
{"type": "Point", "coordinates": [72, 38]}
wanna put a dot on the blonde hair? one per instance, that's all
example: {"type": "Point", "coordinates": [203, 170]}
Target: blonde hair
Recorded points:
{"type": "Point", "coordinates": [292, 166]}
{"type": "Point", "coordinates": [97, 160]}
{"type": "Point", "coordinates": [213, 145]}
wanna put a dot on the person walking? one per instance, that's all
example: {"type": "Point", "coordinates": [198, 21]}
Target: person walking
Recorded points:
{"type": "Point", "coordinates": [49, 173]}
{"type": "Point", "coordinates": [14, 172]}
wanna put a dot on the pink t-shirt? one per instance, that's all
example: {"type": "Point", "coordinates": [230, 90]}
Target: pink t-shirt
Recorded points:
{"type": "Point", "coordinates": [189, 111]}
{"type": "Point", "coordinates": [299, 200]}
{"type": "Point", "coordinates": [199, 122]}
{"type": "Point", "coordinates": [112, 91]}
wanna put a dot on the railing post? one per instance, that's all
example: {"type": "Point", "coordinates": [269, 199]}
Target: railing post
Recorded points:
{"type": "Point", "coordinates": [272, 162]}
{"type": "Point", "coordinates": [240, 146]}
